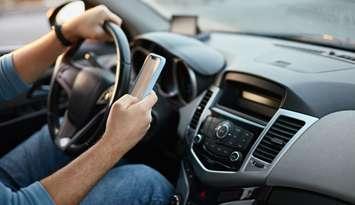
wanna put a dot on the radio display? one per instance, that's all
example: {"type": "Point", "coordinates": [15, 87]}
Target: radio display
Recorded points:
{"type": "Point", "coordinates": [268, 101]}
{"type": "Point", "coordinates": [249, 101]}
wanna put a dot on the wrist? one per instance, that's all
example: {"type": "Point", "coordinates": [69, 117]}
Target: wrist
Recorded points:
{"type": "Point", "coordinates": [111, 145]}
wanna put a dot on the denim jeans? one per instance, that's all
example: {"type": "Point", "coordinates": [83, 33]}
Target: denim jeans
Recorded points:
{"type": "Point", "coordinates": [38, 157]}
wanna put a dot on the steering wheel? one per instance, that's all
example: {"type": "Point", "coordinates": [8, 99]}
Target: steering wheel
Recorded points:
{"type": "Point", "coordinates": [90, 91]}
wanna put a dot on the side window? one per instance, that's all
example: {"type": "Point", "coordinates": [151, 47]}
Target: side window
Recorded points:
{"type": "Point", "coordinates": [22, 21]}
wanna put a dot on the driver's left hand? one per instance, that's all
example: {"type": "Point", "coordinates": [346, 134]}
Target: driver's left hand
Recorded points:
{"type": "Point", "coordinates": [90, 25]}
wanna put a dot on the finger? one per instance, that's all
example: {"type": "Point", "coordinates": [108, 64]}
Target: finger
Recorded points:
{"type": "Point", "coordinates": [103, 38]}
{"type": "Point", "coordinates": [149, 117]}
{"type": "Point", "coordinates": [106, 38]}
{"type": "Point", "coordinates": [126, 101]}
{"type": "Point", "coordinates": [114, 18]}
{"type": "Point", "coordinates": [149, 101]}
{"type": "Point", "coordinates": [147, 128]}
{"type": "Point", "coordinates": [101, 35]}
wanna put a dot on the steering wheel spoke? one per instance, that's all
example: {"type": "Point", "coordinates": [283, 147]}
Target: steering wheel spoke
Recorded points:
{"type": "Point", "coordinates": [66, 76]}
{"type": "Point", "coordinates": [65, 132]}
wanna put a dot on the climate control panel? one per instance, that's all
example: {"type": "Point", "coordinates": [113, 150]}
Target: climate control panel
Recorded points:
{"type": "Point", "coordinates": [222, 144]}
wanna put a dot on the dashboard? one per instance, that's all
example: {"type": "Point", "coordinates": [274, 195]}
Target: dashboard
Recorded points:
{"type": "Point", "coordinates": [251, 120]}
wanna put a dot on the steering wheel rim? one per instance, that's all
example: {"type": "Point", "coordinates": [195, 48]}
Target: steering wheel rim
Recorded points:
{"type": "Point", "coordinates": [74, 140]}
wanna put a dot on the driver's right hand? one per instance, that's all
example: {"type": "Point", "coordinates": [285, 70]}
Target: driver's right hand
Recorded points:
{"type": "Point", "coordinates": [128, 121]}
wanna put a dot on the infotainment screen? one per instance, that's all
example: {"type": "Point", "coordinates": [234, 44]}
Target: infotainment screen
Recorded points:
{"type": "Point", "coordinates": [257, 98]}
{"type": "Point", "coordinates": [258, 101]}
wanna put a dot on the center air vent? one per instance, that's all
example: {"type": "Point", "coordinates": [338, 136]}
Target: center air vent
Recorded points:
{"type": "Point", "coordinates": [279, 134]}
{"type": "Point", "coordinates": [199, 109]}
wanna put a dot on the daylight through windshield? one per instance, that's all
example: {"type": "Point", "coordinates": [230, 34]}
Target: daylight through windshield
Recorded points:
{"type": "Point", "coordinates": [328, 20]}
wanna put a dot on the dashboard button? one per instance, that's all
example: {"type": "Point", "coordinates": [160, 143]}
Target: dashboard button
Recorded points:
{"type": "Point", "coordinates": [222, 151]}
{"type": "Point", "coordinates": [248, 134]}
{"type": "Point", "coordinates": [225, 152]}
{"type": "Point", "coordinates": [235, 156]}
{"type": "Point", "coordinates": [242, 142]}
{"type": "Point", "coordinates": [237, 130]}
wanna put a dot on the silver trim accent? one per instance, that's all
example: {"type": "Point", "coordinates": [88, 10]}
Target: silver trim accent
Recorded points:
{"type": "Point", "coordinates": [234, 159]}
{"type": "Point", "coordinates": [197, 139]}
{"type": "Point", "coordinates": [309, 121]}
{"type": "Point", "coordinates": [203, 166]}
{"type": "Point", "coordinates": [236, 117]}
{"type": "Point", "coordinates": [226, 125]}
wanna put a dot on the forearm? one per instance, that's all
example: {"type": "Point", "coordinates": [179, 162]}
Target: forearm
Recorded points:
{"type": "Point", "coordinates": [32, 60]}
{"type": "Point", "coordinates": [70, 184]}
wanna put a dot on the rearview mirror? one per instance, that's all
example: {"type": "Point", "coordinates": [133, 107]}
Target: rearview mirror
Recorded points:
{"type": "Point", "coordinates": [65, 12]}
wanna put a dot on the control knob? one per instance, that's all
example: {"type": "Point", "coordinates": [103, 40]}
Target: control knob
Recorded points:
{"type": "Point", "coordinates": [235, 156]}
{"type": "Point", "coordinates": [198, 138]}
{"type": "Point", "coordinates": [223, 129]}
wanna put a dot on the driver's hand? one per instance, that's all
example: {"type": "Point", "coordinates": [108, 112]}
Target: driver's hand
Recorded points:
{"type": "Point", "coordinates": [90, 25]}
{"type": "Point", "coordinates": [128, 122]}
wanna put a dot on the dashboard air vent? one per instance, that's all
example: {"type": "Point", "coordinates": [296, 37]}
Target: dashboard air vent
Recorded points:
{"type": "Point", "coordinates": [279, 134]}
{"type": "Point", "coordinates": [199, 109]}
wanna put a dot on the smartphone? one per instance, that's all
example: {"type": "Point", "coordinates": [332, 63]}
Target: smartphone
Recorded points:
{"type": "Point", "coordinates": [148, 75]}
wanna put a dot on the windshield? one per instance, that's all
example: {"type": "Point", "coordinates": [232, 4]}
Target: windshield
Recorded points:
{"type": "Point", "coordinates": [328, 21]}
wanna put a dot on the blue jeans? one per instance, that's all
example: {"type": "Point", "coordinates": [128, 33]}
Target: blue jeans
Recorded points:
{"type": "Point", "coordinates": [38, 158]}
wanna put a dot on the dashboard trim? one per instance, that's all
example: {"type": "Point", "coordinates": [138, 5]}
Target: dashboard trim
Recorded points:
{"type": "Point", "coordinates": [256, 175]}
{"type": "Point", "coordinates": [236, 117]}
{"type": "Point", "coordinates": [192, 77]}
{"type": "Point", "coordinates": [309, 120]}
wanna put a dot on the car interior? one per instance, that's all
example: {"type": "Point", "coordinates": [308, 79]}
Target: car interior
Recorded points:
{"type": "Point", "coordinates": [243, 117]}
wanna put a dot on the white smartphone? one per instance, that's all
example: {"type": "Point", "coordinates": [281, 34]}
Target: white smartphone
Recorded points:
{"type": "Point", "coordinates": [148, 75]}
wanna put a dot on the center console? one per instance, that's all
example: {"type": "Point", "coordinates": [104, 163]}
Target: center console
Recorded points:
{"type": "Point", "coordinates": [235, 117]}
{"type": "Point", "coordinates": [222, 142]}
{"type": "Point", "coordinates": [237, 133]}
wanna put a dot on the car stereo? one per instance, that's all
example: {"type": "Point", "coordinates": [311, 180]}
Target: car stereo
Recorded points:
{"type": "Point", "coordinates": [237, 115]}
{"type": "Point", "coordinates": [222, 143]}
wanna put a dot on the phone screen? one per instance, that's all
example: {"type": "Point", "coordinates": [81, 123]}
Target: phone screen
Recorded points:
{"type": "Point", "coordinates": [148, 75]}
